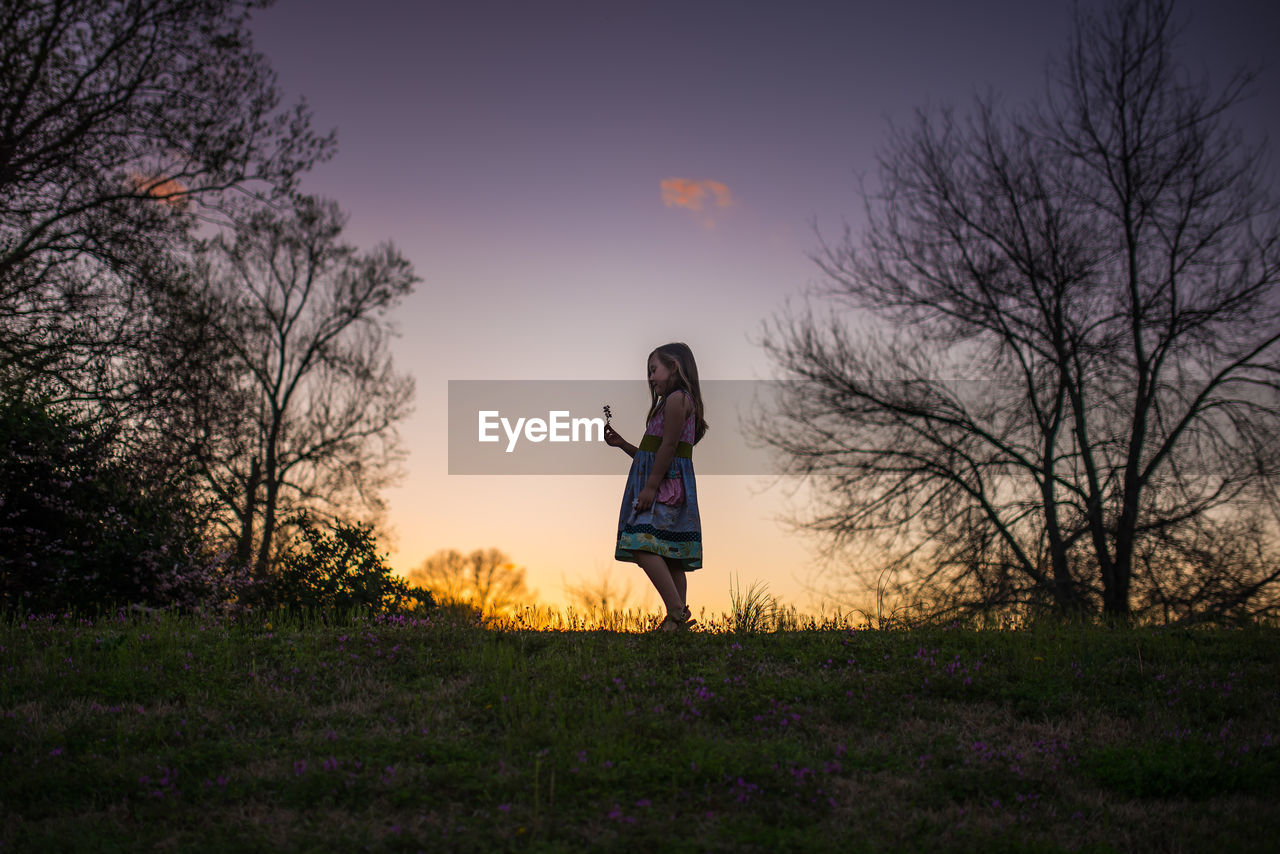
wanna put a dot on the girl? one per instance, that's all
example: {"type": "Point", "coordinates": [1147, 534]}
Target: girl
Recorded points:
{"type": "Point", "coordinates": [658, 526]}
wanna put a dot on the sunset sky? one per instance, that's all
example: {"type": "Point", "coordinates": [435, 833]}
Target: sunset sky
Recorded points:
{"type": "Point", "coordinates": [578, 182]}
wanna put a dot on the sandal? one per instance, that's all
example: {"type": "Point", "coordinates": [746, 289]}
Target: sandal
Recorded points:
{"type": "Point", "coordinates": [677, 624]}
{"type": "Point", "coordinates": [688, 619]}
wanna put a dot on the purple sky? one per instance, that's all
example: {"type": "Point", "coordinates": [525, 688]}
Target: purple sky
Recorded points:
{"type": "Point", "coordinates": [516, 153]}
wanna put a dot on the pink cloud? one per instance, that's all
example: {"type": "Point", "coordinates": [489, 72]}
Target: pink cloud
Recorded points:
{"type": "Point", "coordinates": [694, 195]}
{"type": "Point", "coordinates": [169, 191]}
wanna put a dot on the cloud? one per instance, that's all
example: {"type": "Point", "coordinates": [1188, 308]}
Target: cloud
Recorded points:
{"type": "Point", "coordinates": [169, 191]}
{"type": "Point", "coordinates": [696, 195]}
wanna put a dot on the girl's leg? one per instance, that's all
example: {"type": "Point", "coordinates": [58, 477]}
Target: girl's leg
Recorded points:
{"type": "Point", "coordinates": [655, 566]}
{"type": "Point", "coordinates": [681, 580]}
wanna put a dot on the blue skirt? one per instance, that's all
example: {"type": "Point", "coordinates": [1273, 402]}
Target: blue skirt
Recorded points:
{"type": "Point", "coordinates": [672, 531]}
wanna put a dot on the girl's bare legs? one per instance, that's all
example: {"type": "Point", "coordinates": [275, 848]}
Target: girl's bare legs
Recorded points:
{"type": "Point", "coordinates": [681, 579]}
{"type": "Point", "coordinates": [664, 581]}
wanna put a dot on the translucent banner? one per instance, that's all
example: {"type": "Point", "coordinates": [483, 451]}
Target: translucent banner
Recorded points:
{"type": "Point", "coordinates": [557, 426]}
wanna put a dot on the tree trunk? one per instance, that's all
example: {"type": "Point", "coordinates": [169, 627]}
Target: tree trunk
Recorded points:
{"type": "Point", "coordinates": [269, 504]}
{"type": "Point", "coordinates": [1115, 594]}
{"type": "Point", "coordinates": [244, 543]}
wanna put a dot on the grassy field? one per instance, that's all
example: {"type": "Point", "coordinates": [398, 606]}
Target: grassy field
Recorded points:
{"type": "Point", "coordinates": [168, 733]}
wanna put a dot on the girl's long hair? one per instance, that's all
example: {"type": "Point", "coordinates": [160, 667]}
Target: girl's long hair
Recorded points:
{"type": "Point", "coordinates": [679, 358]}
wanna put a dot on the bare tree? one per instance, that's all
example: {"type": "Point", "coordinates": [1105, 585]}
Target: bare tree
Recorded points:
{"type": "Point", "coordinates": [599, 596]}
{"type": "Point", "coordinates": [302, 403]}
{"type": "Point", "coordinates": [122, 125]}
{"type": "Point", "coordinates": [486, 580]}
{"type": "Point", "coordinates": [1069, 397]}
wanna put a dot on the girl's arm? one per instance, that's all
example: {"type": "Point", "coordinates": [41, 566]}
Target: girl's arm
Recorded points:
{"type": "Point", "coordinates": [611, 437]}
{"type": "Point", "coordinates": [677, 410]}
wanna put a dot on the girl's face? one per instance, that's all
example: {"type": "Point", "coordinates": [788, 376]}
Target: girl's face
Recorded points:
{"type": "Point", "coordinates": [660, 376]}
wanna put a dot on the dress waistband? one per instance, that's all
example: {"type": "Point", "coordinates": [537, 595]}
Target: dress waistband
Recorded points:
{"type": "Point", "coordinates": [652, 443]}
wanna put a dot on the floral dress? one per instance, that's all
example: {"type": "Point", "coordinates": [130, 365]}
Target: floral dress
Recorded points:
{"type": "Point", "coordinates": [671, 527]}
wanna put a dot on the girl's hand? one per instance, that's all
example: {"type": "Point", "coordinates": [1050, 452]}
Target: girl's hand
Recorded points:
{"type": "Point", "coordinates": [646, 498]}
{"type": "Point", "coordinates": [611, 437]}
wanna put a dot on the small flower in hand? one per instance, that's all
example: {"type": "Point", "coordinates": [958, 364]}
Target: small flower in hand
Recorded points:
{"type": "Point", "coordinates": [608, 414]}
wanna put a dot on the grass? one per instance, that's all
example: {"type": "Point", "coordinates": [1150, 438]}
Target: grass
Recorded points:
{"type": "Point", "coordinates": [168, 733]}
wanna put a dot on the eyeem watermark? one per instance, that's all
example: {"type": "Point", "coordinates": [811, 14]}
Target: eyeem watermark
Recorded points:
{"type": "Point", "coordinates": [558, 427]}
{"type": "Point", "coordinates": [545, 427]}
{"type": "Point", "coordinates": [538, 427]}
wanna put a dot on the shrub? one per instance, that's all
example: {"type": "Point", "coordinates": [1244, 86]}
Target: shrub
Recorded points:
{"type": "Point", "coordinates": [341, 570]}
{"type": "Point", "coordinates": [83, 526]}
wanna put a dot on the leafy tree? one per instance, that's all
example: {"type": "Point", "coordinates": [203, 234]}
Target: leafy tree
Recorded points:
{"type": "Point", "coordinates": [1069, 397]}
{"type": "Point", "coordinates": [485, 580]}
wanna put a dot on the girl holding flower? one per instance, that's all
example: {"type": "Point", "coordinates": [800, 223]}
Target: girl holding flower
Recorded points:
{"type": "Point", "coordinates": [658, 526]}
